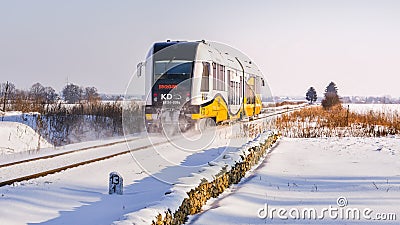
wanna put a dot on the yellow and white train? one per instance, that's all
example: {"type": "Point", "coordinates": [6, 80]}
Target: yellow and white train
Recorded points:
{"type": "Point", "coordinates": [195, 81]}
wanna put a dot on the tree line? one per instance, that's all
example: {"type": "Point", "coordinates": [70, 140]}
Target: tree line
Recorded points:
{"type": "Point", "coordinates": [38, 96]}
{"type": "Point", "coordinates": [73, 113]}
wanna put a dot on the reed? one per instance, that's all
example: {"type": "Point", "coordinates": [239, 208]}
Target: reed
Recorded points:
{"type": "Point", "coordinates": [338, 122]}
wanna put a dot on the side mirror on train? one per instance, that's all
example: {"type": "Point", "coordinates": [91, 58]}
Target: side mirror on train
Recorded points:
{"type": "Point", "coordinates": [139, 69]}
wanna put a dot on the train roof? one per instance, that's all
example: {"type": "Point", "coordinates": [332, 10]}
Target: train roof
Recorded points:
{"type": "Point", "coordinates": [203, 51]}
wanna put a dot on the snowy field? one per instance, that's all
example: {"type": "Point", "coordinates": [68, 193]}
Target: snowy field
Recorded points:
{"type": "Point", "coordinates": [365, 108]}
{"type": "Point", "coordinates": [312, 174]}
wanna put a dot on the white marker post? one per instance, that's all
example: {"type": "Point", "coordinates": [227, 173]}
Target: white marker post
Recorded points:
{"type": "Point", "coordinates": [116, 184]}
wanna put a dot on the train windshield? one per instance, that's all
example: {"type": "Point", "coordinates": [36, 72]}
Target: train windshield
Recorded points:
{"type": "Point", "coordinates": [172, 82]}
{"type": "Point", "coordinates": [172, 70]}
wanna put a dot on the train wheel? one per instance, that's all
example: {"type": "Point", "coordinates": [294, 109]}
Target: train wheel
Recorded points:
{"type": "Point", "coordinates": [184, 123]}
{"type": "Point", "coordinates": [170, 130]}
{"type": "Point", "coordinates": [205, 123]}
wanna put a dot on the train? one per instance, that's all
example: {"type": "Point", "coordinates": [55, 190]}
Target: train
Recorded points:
{"type": "Point", "coordinates": [196, 83]}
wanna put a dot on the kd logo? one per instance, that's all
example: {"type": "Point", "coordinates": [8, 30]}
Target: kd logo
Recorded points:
{"type": "Point", "coordinates": [166, 96]}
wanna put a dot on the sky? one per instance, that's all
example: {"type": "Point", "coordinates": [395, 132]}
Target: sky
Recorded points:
{"type": "Point", "coordinates": [295, 43]}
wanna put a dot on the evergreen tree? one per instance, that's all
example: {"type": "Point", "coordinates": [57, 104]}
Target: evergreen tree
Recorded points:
{"type": "Point", "coordinates": [311, 95]}
{"type": "Point", "coordinates": [331, 88]}
{"type": "Point", "coordinates": [331, 96]}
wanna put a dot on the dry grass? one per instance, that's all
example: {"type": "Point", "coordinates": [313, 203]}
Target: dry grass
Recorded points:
{"type": "Point", "coordinates": [278, 104]}
{"type": "Point", "coordinates": [288, 103]}
{"type": "Point", "coordinates": [338, 122]}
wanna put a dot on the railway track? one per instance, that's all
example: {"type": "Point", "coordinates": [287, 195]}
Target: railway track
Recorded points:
{"type": "Point", "coordinates": [96, 159]}
{"type": "Point", "coordinates": [59, 169]}
{"type": "Point", "coordinates": [65, 153]}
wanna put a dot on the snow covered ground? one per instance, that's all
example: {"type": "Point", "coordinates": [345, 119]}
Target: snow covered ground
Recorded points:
{"type": "Point", "coordinates": [17, 133]}
{"type": "Point", "coordinates": [80, 195]}
{"type": "Point", "coordinates": [304, 174]}
{"type": "Point", "coordinates": [300, 173]}
{"type": "Point", "coordinates": [28, 119]}
{"type": "Point", "coordinates": [365, 108]}
{"type": "Point", "coordinates": [17, 137]}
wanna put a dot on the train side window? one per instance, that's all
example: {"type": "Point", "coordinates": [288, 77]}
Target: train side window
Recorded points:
{"type": "Point", "coordinates": [230, 88]}
{"type": "Point", "coordinates": [214, 76]}
{"type": "Point", "coordinates": [205, 80]}
{"type": "Point", "coordinates": [221, 77]}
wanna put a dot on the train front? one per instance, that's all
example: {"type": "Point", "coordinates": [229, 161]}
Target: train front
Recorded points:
{"type": "Point", "coordinates": [168, 71]}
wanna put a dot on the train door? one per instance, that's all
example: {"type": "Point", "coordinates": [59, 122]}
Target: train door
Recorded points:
{"type": "Point", "coordinates": [250, 95]}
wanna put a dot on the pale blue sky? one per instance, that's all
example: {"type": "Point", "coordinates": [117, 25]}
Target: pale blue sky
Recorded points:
{"type": "Point", "coordinates": [296, 43]}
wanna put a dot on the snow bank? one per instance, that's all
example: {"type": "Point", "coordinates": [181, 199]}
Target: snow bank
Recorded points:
{"type": "Point", "coordinates": [62, 130]}
{"type": "Point", "coordinates": [17, 137]}
{"type": "Point", "coordinates": [28, 119]}
{"type": "Point", "coordinates": [188, 196]}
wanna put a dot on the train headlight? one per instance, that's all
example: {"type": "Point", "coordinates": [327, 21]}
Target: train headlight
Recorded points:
{"type": "Point", "coordinates": [149, 116]}
{"type": "Point", "coordinates": [155, 97]}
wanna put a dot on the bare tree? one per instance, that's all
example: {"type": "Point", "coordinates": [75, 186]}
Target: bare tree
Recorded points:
{"type": "Point", "coordinates": [10, 90]}
{"type": "Point", "coordinates": [50, 95]}
{"type": "Point", "coordinates": [4, 91]}
{"type": "Point", "coordinates": [7, 93]}
{"type": "Point", "coordinates": [37, 93]}
{"type": "Point", "coordinates": [91, 95]}
{"type": "Point", "coordinates": [72, 93]}
{"type": "Point", "coordinates": [21, 101]}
